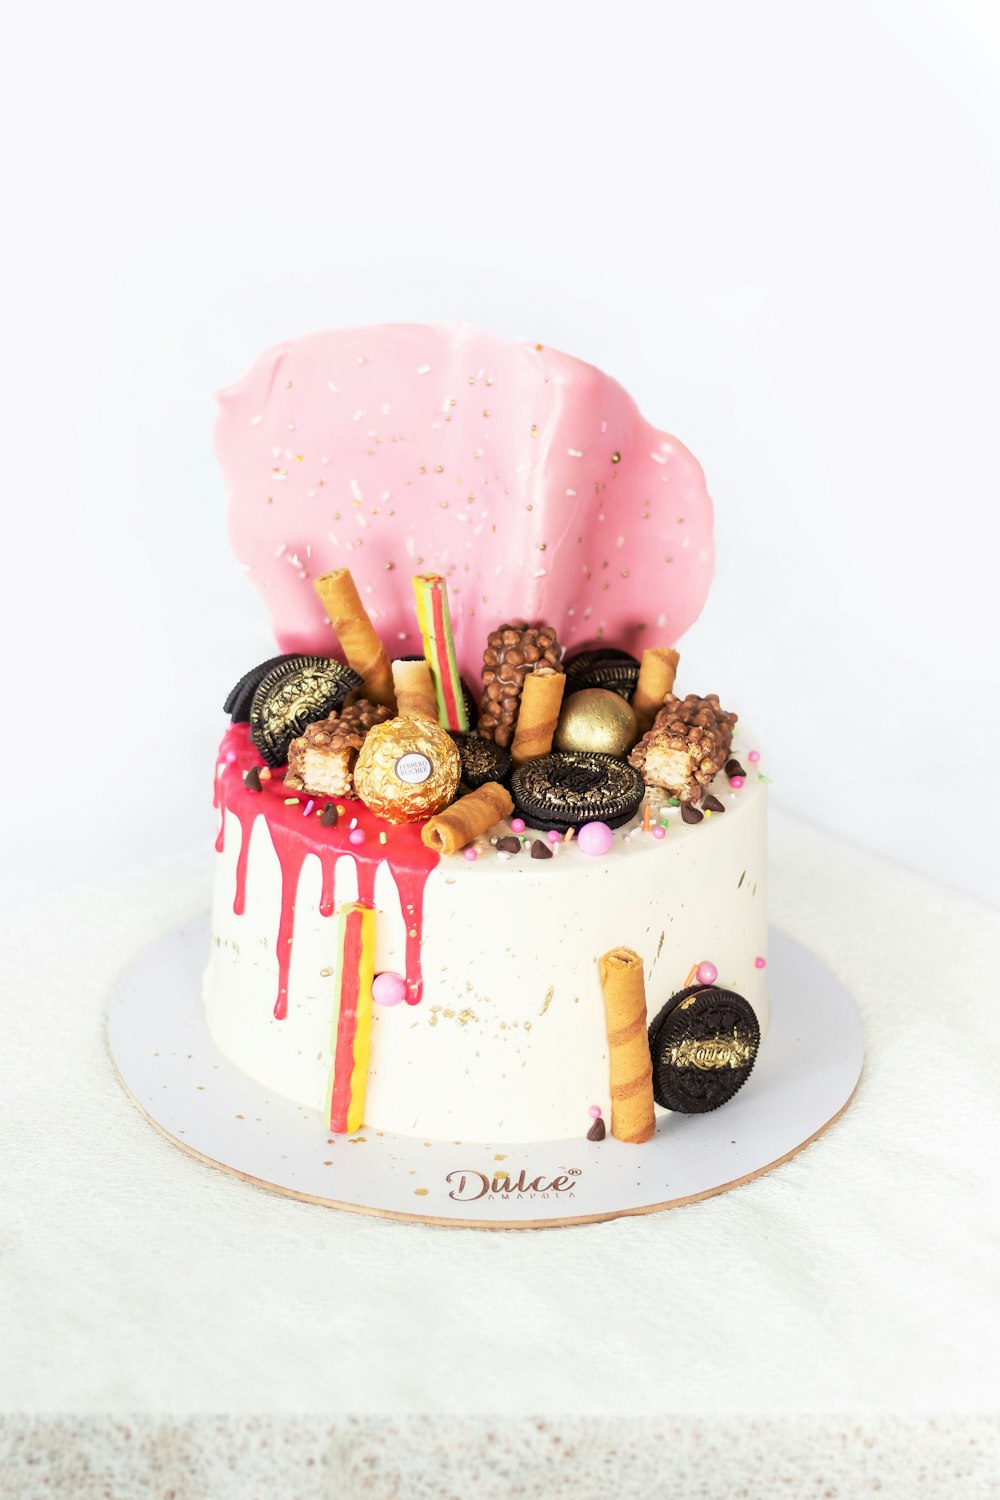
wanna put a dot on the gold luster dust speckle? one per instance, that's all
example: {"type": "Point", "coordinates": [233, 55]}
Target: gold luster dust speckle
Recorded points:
{"type": "Point", "coordinates": [616, 458]}
{"type": "Point", "coordinates": [539, 348]}
{"type": "Point", "coordinates": [439, 468]}
{"type": "Point", "coordinates": [421, 1192]}
{"type": "Point", "coordinates": [534, 430]}
{"type": "Point", "coordinates": [486, 411]}
{"type": "Point", "coordinates": [389, 567]}
{"type": "Point", "coordinates": [542, 546]}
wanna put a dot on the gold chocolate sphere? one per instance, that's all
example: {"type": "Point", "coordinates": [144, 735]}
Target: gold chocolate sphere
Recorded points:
{"type": "Point", "coordinates": [597, 719]}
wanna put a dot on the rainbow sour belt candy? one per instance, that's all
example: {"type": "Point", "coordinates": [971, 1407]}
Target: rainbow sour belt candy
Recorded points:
{"type": "Point", "coordinates": [434, 619]}
{"type": "Point", "coordinates": [352, 1043]}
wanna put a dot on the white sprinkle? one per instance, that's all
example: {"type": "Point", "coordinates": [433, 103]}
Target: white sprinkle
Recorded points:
{"type": "Point", "coordinates": [275, 452]}
{"type": "Point", "coordinates": [498, 571]}
{"type": "Point", "coordinates": [658, 458]}
{"type": "Point", "coordinates": [523, 468]}
{"type": "Point", "coordinates": [256, 421]}
{"type": "Point", "coordinates": [294, 559]}
{"type": "Point", "coordinates": [353, 823]}
{"type": "Point", "coordinates": [356, 490]}
{"type": "Point", "coordinates": [661, 621]}
{"type": "Point", "coordinates": [411, 547]}
{"type": "Point", "coordinates": [541, 573]}
{"type": "Point", "coordinates": [358, 415]}
{"type": "Point", "coordinates": [423, 369]}
{"type": "Point", "coordinates": [360, 518]}
{"type": "Point", "coordinates": [571, 611]}
{"type": "Point", "coordinates": [335, 389]}
{"type": "Point", "coordinates": [571, 492]}
{"type": "Point", "coordinates": [385, 409]}
{"type": "Point", "coordinates": [703, 555]}
{"type": "Point", "coordinates": [619, 541]}
{"type": "Point", "coordinates": [575, 452]}
{"type": "Point", "coordinates": [333, 538]}
{"type": "Point", "coordinates": [324, 460]}
{"type": "Point", "coordinates": [361, 359]}
{"type": "Point", "coordinates": [687, 540]}
{"type": "Point", "coordinates": [385, 495]}
{"type": "Point", "coordinates": [401, 635]}
{"type": "Point", "coordinates": [280, 549]}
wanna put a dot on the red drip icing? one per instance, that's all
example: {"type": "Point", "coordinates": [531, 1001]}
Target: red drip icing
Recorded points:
{"type": "Point", "coordinates": [295, 836]}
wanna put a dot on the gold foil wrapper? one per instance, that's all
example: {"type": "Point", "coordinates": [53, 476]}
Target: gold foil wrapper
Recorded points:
{"type": "Point", "coordinates": [407, 769]}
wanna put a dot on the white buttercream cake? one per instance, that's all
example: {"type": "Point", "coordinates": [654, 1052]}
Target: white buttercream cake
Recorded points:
{"type": "Point", "coordinates": [392, 948]}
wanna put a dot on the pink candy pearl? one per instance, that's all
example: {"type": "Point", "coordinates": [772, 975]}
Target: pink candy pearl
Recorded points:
{"type": "Point", "coordinates": [760, 963]}
{"type": "Point", "coordinates": [388, 988]}
{"type": "Point", "coordinates": [231, 757]}
{"type": "Point", "coordinates": [659, 833]}
{"type": "Point", "coordinates": [707, 973]}
{"type": "Point", "coordinates": [553, 836]}
{"type": "Point", "coordinates": [595, 838]}
{"type": "Point", "coordinates": [594, 1111]}
{"type": "Point", "coordinates": [517, 825]}
{"type": "Point", "coordinates": [356, 836]}
{"type": "Point", "coordinates": [754, 756]}
{"type": "Point", "coordinates": [736, 782]}
{"type": "Point", "coordinates": [471, 853]}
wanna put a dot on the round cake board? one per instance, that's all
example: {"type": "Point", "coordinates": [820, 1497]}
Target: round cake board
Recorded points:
{"type": "Point", "coordinates": [806, 1073]}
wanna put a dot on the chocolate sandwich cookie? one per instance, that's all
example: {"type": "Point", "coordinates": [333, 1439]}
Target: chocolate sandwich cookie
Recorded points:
{"type": "Point", "coordinates": [582, 661]}
{"type": "Point", "coordinates": [619, 677]}
{"type": "Point", "coordinates": [296, 692]}
{"type": "Point", "coordinates": [239, 698]}
{"type": "Point", "coordinates": [703, 1044]}
{"type": "Point", "coordinates": [571, 787]}
{"type": "Point", "coordinates": [482, 761]}
{"type": "Point", "coordinates": [471, 706]}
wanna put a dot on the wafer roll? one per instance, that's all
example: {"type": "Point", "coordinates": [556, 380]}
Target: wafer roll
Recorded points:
{"type": "Point", "coordinates": [656, 679]}
{"type": "Point", "coordinates": [356, 633]}
{"type": "Point", "coordinates": [632, 1117]}
{"type": "Point", "coordinates": [541, 699]}
{"type": "Point", "coordinates": [467, 818]}
{"type": "Point", "coordinates": [414, 690]}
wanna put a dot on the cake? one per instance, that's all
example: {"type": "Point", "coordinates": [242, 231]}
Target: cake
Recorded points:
{"type": "Point", "coordinates": [482, 874]}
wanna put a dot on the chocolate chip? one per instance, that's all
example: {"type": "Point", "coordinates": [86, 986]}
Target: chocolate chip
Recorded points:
{"type": "Point", "coordinates": [596, 1131]}
{"type": "Point", "coordinates": [733, 768]}
{"type": "Point", "coordinates": [540, 850]}
{"type": "Point", "coordinates": [690, 813]}
{"type": "Point", "coordinates": [509, 845]}
{"type": "Point", "coordinates": [330, 815]}
{"type": "Point", "coordinates": [252, 780]}
{"type": "Point", "coordinates": [712, 804]}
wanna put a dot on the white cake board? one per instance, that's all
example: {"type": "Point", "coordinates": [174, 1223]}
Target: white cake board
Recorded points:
{"type": "Point", "coordinates": [805, 1075]}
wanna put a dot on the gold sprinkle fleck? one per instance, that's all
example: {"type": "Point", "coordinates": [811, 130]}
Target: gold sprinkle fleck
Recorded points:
{"type": "Point", "coordinates": [421, 1192]}
{"type": "Point", "coordinates": [542, 546]}
{"type": "Point", "coordinates": [389, 567]}
{"type": "Point", "coordinates": [539, 347]}
{"type": "Point", "coordinates": [616, 458]}
{"type": "Point", "coordinates": [298, 458]}
{"type": "Point", "coordinates": [534, 430]}
{"type": "Point", "coordinates": [439, 468]}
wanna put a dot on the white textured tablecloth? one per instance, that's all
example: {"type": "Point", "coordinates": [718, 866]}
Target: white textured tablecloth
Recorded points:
{"type": "Point", "coordinates": [164, 1326]}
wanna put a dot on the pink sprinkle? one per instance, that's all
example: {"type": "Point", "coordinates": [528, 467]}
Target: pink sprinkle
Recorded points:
{"type": "Point", "coordinates": [736, 782]}
{"type": "Point", "coordinates": [471, 853]}
{"type": "Point", "coordinates": [754, 756]}
{"type": "Point", "coordinates": [659, 833]}
{"type": "Point", "coordinates": [356, 836]}
{"type": "Point", "coordinates": [760, 963]}
{"type": "Point", "coordinates": [308, 807]}
{"type": "Point", "coordinates": [554, 837]}
{"type": "Point", "coordinates": [707, 973]}
{"type": "Point", "coordinates": [231, 757]}
{"type": "Point", "coordinates": [517, 825]}
{"type": "Point", "coordinates": [594, 1111]}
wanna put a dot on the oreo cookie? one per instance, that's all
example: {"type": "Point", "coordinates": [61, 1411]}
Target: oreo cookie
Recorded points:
{"type": "Point", "coordinates": [703, 1044]}
{"type": "Point", "coordinates": [571, 787]}
{"type": "Point", "coordinates": [482, 760]}
{"type": "Point", "coordinates": [296, 692]}
{"type": "Point", "coordinates": [580, 663]}
{"type": "Point", "coordinates": [239, 698]}
{"type": "Point", "coordinates": [471, 705]}
{"type": "Point", "coordinates": [607, 668]}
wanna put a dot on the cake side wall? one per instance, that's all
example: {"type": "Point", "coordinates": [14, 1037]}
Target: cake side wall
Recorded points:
{"type": "Point", "coordinates": [508, 1043]}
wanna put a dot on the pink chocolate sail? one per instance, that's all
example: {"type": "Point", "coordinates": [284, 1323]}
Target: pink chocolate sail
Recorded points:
{"type": "Point", "coordinates": [526, 477]}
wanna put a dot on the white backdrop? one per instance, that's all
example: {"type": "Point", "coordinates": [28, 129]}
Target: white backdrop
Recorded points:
{"type": "Point", "coordinates": [775, 223]}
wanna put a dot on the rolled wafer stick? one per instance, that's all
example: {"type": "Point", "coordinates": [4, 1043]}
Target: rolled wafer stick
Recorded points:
{"type": "Point", "coordinates": [356, 633]}
{"type": "Point", "coordinates": [352, 1040]}
{"type": "Point", "coordinates": [434, 618]}
{"type": "Point", "coordinates": [414, 690]}
{"type": "Point", "coordinates": [632, 1117]}
{"type": "Point", "coordinates": [538, 715]}
{"type": "Point", "coordinates": [467, 818]}
{"type": "Point", "coordinates": [656, 679]}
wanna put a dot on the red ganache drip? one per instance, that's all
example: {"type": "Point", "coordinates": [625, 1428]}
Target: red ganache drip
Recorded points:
{"type": "Point", "coordinates": [295, 836]}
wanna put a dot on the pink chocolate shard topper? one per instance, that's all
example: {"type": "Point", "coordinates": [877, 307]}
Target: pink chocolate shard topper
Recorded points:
{"type": "Point", "coordinates": [524, 476]}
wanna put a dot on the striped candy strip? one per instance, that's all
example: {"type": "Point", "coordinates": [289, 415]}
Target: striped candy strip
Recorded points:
{"type": "Point", "coordinates": [434, 619]}
{"type": "Point", "coordinates": [352, 1039]}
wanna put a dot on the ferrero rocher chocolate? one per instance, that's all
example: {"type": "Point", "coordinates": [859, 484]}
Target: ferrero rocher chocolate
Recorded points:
{"type": "Point", "coordinates": [597, 719]}
{"type": "Point", "coordinates": [407, 769]}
